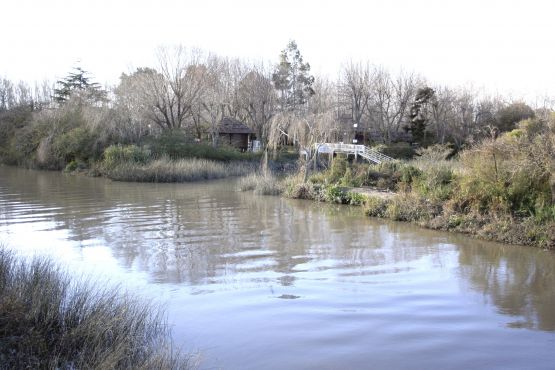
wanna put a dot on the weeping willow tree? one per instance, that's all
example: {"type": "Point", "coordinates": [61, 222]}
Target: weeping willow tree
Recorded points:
{"type": "Point", "coordinates": [308, 132]}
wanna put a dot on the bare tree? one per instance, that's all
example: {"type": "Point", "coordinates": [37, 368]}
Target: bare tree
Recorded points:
{"type": "Point", "coordinates": [169, 93]}
{"type": "Point", "coordinates": [257, 98]}
{"type": "Point", "coordinates": [390, 102]}
{"type": "Point", "coordinates": [355, 91]}
{"type": "Point", "coordinates": [7, 94]}
{"type": "Point", "coordinates": [217, 95]}
{"type": "Point", "coordinates": [132, 109]}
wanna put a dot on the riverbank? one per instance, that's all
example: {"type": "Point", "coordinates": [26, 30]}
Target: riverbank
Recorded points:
{"type": "Point", "coordinates": [502, 189]}
{"type": "Point", "coordinates": [48, 320]}
{"type": "Point", "coordinates": [410, 207]}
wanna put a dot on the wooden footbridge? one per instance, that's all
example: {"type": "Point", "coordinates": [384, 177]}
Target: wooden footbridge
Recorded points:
{"type": "Point", "coordinates": [365, 152]}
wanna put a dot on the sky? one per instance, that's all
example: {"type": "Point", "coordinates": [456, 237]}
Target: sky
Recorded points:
{"type": "Point", "coordinates": [505, 47]}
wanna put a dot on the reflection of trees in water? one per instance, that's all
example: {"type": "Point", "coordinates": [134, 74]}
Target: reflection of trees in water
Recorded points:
{"type": "Point", "coordinates": [519, 281]}
{"type": "Point", "coordinates": [199, 233]}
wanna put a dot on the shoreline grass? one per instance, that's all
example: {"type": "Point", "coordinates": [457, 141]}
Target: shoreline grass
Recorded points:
{"type": "Point", "coordinates": [432, 214]}
{"type": "Point", "coordinates": [261, 183]}
{"type": "Point", "coordinates": [49, 321]}
{"type": "Point", "coordinates": [500, 189]}
{"type": "Point", "coordinates": [181, 170]}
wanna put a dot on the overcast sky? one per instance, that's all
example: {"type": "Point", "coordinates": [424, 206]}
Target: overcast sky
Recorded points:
{"type": "Point", "coordinates": [504, 46]}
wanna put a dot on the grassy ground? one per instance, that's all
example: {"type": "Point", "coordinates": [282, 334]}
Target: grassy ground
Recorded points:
{"type": "Point", "coordinates": [49, 321]}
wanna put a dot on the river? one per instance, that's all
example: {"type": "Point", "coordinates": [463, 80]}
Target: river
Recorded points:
{"type": "Point", "coordinates": [259, 282]}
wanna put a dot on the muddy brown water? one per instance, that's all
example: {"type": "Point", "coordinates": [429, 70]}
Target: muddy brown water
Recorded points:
{"type": "Point", "coordinates": [256, 282]}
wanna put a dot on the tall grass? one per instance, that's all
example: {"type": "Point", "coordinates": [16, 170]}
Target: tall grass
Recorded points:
{"type": "Point", "coordinates": [49, 321]}
{"type": "Point", "coordinates": [182, 170]}
{"type": "Point", "coordinates": [261, 183]}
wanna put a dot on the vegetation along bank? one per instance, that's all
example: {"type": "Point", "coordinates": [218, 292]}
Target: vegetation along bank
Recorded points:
{"type": "Point", "coordinates": [48, 320]}
{"type": "Point", "coordinates": [466, 161]}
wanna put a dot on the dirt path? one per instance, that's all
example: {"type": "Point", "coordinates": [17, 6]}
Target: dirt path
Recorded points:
{"type": "Point", "coordinates": [384, 194]}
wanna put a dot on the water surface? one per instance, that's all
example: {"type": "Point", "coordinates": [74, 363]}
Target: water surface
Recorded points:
{"type": "Point", "coordinates": [254, 282]}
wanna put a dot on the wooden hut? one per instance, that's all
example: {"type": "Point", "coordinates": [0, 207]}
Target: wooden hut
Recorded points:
{"type": "Point", "coordinates": [234, 133]}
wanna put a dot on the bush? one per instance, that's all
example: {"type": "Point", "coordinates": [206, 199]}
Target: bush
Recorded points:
{"type": "Point", "coordinates": [385, 175]}
{"type": "Point", "coordinates": [508, 175]}
{"type": "Point", "coordinates": [295, 188]}
{"type": "Point", "coordinates": [335, 194]}
{"type": "Point", "coordinates": [79, 144]}
{"type": "Point", "coordinates": [175, 145]}
{"type": "Point", "coordinates": [117, 154]}
{"type": "Point", "coordinates": [408, 207]}
{"type": "Point", "coordinates": [507, 117]}
{"type": "Point", "coordinates": [375, 206]}
{"type": "Point", "coordinates": [48, 321]}
{"type": "Point", "coordinates": [75, 166]}
{"type": "Point", "coordinates": [436, 183]}
{"type": "Point", "coordinates": [397, 150]}
{"type": "Point", "coordinates": [409, 174]}
{"type": "Point", "coordinates": [356, 199]}
{"type": "Point", "coordinates": [338, 168]}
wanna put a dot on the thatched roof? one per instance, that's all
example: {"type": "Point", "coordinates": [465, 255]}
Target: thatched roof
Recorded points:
{"type": "Point", "coordinates": [233, 126]}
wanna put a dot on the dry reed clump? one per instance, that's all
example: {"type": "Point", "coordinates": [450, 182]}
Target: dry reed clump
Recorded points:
{"type": "Point", "coordinates": [183, 170]}
{"type": "Point", "coordinates": [48, 321]}
{"type": "Point", "coordinates": [295, 187]}
{"type": "Point", "coordinates": [261, 183]}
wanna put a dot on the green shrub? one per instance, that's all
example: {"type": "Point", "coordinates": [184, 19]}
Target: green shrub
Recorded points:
{"type": "Point", "coordinates": [436, 184]}
{"type": "Point", "coordinates": [118, 154]}
{"type": "Point", "coordinates": [176, 145]}
{"type": "Point", "coordinates": [319, 178]}
{"type": "Point", "coordinates": [335, 194]}
{"type": "Point", "coordinates": [409, 174]}
{"type": "Point", "coordinates": [349, 179]}
{"type": "Point", "coordinates": [356, 199]}
{"type": "Point", "coordinates": [397, 150]}
{"type": "Point", "coordinates": [545, 214]}
{"type": "Point", "coordinates": [338, 169]}
{"type": "Point", "coordinates": [376, 206]}
{"type": "Point", "coordinates": [79, 143]}
{"type": "Point", "coordinates": [75, 165]}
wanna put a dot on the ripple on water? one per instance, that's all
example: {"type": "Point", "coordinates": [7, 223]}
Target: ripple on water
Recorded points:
{"type": "Point", "coordinates": [262, 282]}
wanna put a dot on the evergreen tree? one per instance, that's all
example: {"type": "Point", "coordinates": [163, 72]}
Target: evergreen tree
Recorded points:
{"type": "Point", "coordinates": [419, 113]}
{"type": "Point", "coordinates": [77, 81]}
{"type": "Point", "coordinates": [292, 78]}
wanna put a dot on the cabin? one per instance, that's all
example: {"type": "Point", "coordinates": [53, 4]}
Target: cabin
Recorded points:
{"type": "Point", "coordinates": [235, 133]}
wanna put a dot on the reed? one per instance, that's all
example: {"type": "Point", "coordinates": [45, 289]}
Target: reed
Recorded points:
{"type": "Point", "coordinates": [181, 170]}
{"type": "Point", "coordinates": [50, 321]}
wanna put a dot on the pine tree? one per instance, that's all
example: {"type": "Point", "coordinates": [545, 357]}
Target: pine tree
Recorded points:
{"type": "Point", "coordinates": [78, 81]}
{"type": "Point", "coordinates": [292, 78]}
{"type": "Point", "coordinates": [419, 112]}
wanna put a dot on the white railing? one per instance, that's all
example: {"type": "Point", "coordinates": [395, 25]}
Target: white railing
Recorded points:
{"type": "Point", "coordinates": [365, 152]}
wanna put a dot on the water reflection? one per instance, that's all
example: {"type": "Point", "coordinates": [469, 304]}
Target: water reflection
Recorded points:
{"type": "Point", "coordinates": [518, 281]}
{"type": "Point", "coordinates": [210, 237]}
